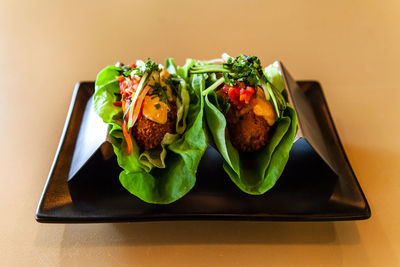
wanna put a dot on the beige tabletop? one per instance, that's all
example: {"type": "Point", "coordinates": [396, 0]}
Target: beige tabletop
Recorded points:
{"type": "Point", "coordinates": [351, 47]}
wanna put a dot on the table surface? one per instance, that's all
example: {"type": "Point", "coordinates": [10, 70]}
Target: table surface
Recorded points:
{"type": "Point", "coordinates": [351, 47]}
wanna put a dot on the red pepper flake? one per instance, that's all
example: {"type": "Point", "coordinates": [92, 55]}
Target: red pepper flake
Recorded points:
{"type": "Point", "coordinates": [133, 66]}
{"type": "Point", "coordinates": [118, 104]}
{"type": "Point", "coordinates": [120, 79]}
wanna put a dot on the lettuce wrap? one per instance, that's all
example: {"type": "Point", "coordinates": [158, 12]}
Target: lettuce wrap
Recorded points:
{"type": "Point", "coordinates": [253, 172]}
{"type": "Point", "coordinates": [166, 173]}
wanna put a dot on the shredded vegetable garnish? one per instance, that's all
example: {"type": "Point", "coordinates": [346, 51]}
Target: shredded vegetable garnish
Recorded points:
{"type": "Point", "coordinates": [127, 137]}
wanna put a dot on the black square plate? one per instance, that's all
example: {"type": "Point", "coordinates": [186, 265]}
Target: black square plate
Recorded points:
{"type": "Point", "coordinates": [299, 195]}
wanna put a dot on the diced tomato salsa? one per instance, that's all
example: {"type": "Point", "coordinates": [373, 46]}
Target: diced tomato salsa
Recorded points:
{"type": "Point", "coordinates": [239, 95]}
{"type": "Point", "coordinates": [127, 86]}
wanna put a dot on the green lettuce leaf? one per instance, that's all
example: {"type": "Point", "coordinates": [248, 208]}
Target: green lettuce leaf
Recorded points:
{"type": "Point", "coordinates": [253, 172]}
{"type": "Point", "coordinates": [165, 174]}
{"type": "Point", "coordinates": [104, 97]}
{"type": "Point", "coordinates": [274, 76]}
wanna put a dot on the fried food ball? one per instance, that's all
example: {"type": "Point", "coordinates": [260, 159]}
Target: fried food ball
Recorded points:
{"type": "Point", "coordinates": [149, 134]}
{"type": "Point", "coordinates": [247, 131]}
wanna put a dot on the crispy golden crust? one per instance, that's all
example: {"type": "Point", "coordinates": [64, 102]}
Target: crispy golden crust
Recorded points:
{"type": "Point", "coordinates": [149, 134]}
{"type": "Point", "coordinates": [248, 132]}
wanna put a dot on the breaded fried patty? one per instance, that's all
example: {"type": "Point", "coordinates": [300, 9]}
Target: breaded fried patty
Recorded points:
{"type": "Point", "coordinates": [149, 134]}
{"type": "Point", "coordinates": [248, 132]}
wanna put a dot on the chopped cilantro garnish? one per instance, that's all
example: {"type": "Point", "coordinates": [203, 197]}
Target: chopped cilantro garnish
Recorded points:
{"type": "Point", "coordinates": [159, 91]}
{"type": "Point", "coordinates": [243, 69]}
{"type": "Point", "coordinates": [173, 82]}
{"type": "Point", "coordinates": [143, 67]}
{"type": "Point", "coordinates": [151, 66]}
{"type": "Point", "coordinates": [157, 106]}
